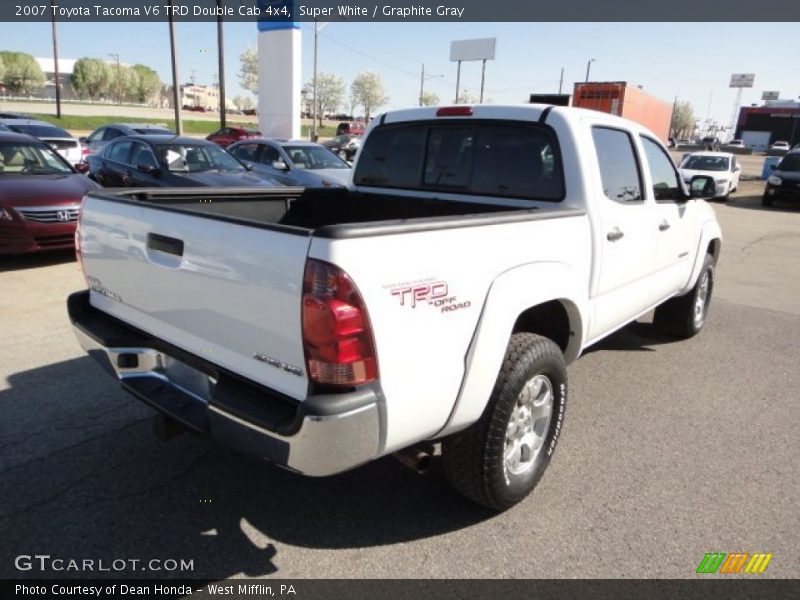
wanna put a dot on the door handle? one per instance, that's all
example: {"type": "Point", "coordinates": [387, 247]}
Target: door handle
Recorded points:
{"type": "Point", "coordinates": [166, 244]}
{"type": "Point", "coordinates": [663, 226]}
{"type": "Point", "coordinates": [615, 235]}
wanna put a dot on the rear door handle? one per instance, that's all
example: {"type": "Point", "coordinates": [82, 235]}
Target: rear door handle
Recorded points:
{"type": "Point", "coordinates": [615, 235]}
{"type": "Point", "coordinates": [162, 243]}
{"type": "Point", "coordinates": [663, 226]}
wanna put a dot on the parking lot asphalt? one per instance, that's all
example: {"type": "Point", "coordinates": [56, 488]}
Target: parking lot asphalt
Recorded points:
{"type": "Point", "coordinates": [670, 450]}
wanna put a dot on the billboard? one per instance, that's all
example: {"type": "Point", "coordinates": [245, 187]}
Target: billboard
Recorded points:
{"type": "Point", "coordinates": [742, 80]}
{"type": "Point", "coordinates": [482, 49]}
{"type": "Point", "coordinates": [770, 95]}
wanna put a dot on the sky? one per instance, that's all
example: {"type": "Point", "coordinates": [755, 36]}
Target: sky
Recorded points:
{"type": "Point", "coordinates": [690, 61]}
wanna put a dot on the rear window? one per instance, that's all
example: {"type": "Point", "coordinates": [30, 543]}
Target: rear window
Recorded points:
{"type": "Point", "coordinates": [489, 159]}
{"type": "Point", "coordinates": [152, 131]}
{"type": "Point", "coordinates": [41, 131]}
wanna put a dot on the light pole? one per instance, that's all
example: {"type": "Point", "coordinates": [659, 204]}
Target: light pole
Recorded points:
{"type": "Point", "coordinates": [317, 29]}
{"type": "Point", "coordinates": [115, 56]}
{"type": "Point", "coordinates": [422, 79]}
{"type": "Point", "coordinates": [174, 60]}
{"type": "Point", "coordinates": [55, 61]}
{"type": "Point", "coordinates": [588, 68]}
{"type": "Point", "coordinates": [221, 60]}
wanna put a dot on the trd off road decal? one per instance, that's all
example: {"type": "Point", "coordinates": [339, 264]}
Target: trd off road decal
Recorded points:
{"type": "Point", "coordinates": [429, 292]}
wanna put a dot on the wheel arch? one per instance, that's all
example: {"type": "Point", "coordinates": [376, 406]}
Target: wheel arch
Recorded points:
{"type": "Point", "coordinates": [541, 298]}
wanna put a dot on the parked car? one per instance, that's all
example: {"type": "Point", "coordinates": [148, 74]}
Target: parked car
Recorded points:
{"type": "Point", "coordinates": [711, 143]}
{"type": "Point", "coordinates": [781, 146]}
{"type": "Point", "coordinates": [350, 128]}
{"type": "Point", "coordinates": [293, 163]}
{"type": "Point", "coordinates": [735, 144]}
{"type": "Point", "coordinates": [61, 141]}
{"type": "Point", "coordinates": [438, 299]}
{"type": "Point", "coordinates": [228, 135]}
{"type": "Point", "coordinates": [724, 167]}
{"type": "Point", "coordinates": [40, 196]}
{"type": "Point", "coordinates": [100, 137]}
{"type": "Point", "coordinates": [169, 161]}
{"type": "Point", "coordinates": [783, 184]}
{"type": "Point", "coordinates": [345, 146]}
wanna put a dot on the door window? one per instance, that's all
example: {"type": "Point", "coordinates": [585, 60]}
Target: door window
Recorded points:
{"type": "Point", "coordinates": [120, 151]}
{"type": "Point", "coordinates": [619, 169]}
{"type": "Point", "coordinates": [142, 155]}
{"type": "Point", "coordinates": [245, 151]}
{"type": "Point", "coordinates": [269, 155]}
{"type": "Point", "coordinates": [666, 185]}
{"type": "Point", "coordinates": [111, 134]}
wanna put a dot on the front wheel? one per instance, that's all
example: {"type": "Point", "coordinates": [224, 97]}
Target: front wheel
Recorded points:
{"type": "Point", "coordinates": [766, 200]}
{"type": "Point", "coordinates": [686, 315]}
{"type": "Point", "coordinates": [499, 460]}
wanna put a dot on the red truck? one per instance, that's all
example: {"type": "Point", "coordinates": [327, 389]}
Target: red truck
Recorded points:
{"type": "Point", "coordinates": [625, 100]}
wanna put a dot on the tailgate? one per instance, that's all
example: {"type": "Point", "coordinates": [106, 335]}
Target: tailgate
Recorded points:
{"type": "Point", "coordinates": [224, 291]}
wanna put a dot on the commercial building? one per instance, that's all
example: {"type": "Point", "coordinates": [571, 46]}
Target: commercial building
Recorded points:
{"type": "Point", "coordinates": [776, 120]}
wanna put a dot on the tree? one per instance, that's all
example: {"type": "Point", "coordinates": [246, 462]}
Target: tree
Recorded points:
{"type": "Point", "coordinates": [148, 84]}
{"type": "Point", "coordinates": [90, 78]}
{"type": "Point", "coordinates": [248, 70]}
{"type": "Point", "coordinates": [467, 97]}
{"type": "Point", "coordinates": [124, 82]}
{"type": "Point", "coordinates": [683, 120]}
{"type": "Point", "coordinates": [429, 99]}
{"type": "Point", "coordinates": [22, 73]}
{"type": "Point", "coordinates": [243, 102]}
{"type": "Point", "coordinates": [330, 94]}
{"type": "Point", "coordinates": [2, 68]}
{"type": "Point", "coordinates": [367, 89]}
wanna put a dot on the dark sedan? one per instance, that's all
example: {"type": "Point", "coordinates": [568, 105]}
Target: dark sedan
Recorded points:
{"type": "Point", "coordinates": [293, 163]}
{"type": "Point", "coordinates": [783, 184]}
{"type": "Point", "coordinates": [169, 161]}
{"type": "Point", "coordinates": [102, 136]}
{"type": "Point", "coordinates": [40, 196]}
{"type": "Point", "coordinates": [344, 146]}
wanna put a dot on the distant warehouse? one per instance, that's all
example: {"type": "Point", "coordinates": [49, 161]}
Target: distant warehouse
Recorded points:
{"type": "Point", "coordinates": [761, 126]}
{"type": "Point", "coordinates": [625, 100]}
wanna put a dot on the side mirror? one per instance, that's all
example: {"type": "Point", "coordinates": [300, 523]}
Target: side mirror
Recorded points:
{"type": "Point", "coordinates": [83, 140]}
{"type": "Point", "coordinates": [280, 165]}
{"type": "Point", "coordinates": [702, 187]}
{"type": "Point", "coordinates": [149, 169]}
{"type": "Point", "coordinates": [82, 168]}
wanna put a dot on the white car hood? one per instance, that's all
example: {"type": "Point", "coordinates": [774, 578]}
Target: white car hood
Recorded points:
{"type": "Point", "coordinates": [687, 174]}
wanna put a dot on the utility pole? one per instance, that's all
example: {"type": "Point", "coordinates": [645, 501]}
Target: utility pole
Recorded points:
{"type": "Point", "coordinates": [483, 79]}
{"type": "Point", "coordinates": [221, 57]}
{"type": "Point", "coordinates": [175, 86]}
{"type": "Point", "coordinates": [55, 60]}
{"type": "Point", "coordinates": [115, 56]}
{"type": "Point", "coordinates": [314, 109]}
{"type": "Point", "coordinates": [561, 81]}
{"type": "Point", "coordinates": [458, 81]}
{"type": "Point", "coordinates": [588, 68]}
{"type": "Point", "coordinates": [421, 84]}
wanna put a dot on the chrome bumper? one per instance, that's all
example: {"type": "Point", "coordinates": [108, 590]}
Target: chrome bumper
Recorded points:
{"type": "Point", "coordinates": [332, 433]}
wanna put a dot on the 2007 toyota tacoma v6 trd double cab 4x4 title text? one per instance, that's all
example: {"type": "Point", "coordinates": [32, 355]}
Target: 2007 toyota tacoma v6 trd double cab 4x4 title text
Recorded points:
{"type": "Point", "coordinates": [477, 251]}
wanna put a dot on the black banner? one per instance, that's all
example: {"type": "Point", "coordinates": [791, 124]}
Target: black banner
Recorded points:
{"type": "Point", "coordinates": [287, 11]}
{"type": "Point", "coordinates": [351, 589]}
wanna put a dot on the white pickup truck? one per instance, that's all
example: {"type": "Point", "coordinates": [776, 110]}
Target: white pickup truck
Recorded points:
{"type": "Point", "coordinates": [477, 252]}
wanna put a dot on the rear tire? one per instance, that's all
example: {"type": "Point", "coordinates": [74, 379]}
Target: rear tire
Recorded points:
{"type": "Point", "coordinates": [686, 315]}
{"type": "Point", "coordinates": [498, 460]}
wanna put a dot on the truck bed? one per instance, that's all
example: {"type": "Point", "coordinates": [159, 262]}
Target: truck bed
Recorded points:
{"type": "Point", "coordinates": [314, 209]}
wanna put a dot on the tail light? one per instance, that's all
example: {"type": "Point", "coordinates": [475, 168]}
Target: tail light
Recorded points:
{"type": "Point", "coordinates": [337, 335]}
{"type": "Point", "coordinates": [84, 152]}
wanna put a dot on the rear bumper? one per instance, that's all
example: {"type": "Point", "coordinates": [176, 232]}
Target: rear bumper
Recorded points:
{"type": "Point", "coordinates": [323, 435]}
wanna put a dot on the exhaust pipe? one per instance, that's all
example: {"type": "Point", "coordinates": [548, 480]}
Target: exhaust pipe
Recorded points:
{"type": "Point", "coordinates": [416, 458]}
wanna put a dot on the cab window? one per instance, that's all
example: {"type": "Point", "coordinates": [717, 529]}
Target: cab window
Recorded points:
{"type": "Point", "coordinates": [666, 185]}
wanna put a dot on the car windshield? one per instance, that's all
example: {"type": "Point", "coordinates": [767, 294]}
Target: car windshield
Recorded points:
{"type": "Point", "coordinates": [30, 159]}
{"type": "Point", "coordinates": [707, 163]}
{"type": "Point", "coordinates": [790, 162]}
{"type": "Point", "coordinates": [314, 157]}
{"type": "Point", "coordinates": [152, 131]}
{"type": "Point", "coordinates": [40, 131]}
{"type": "Point", "coordinates": [194, 158]}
